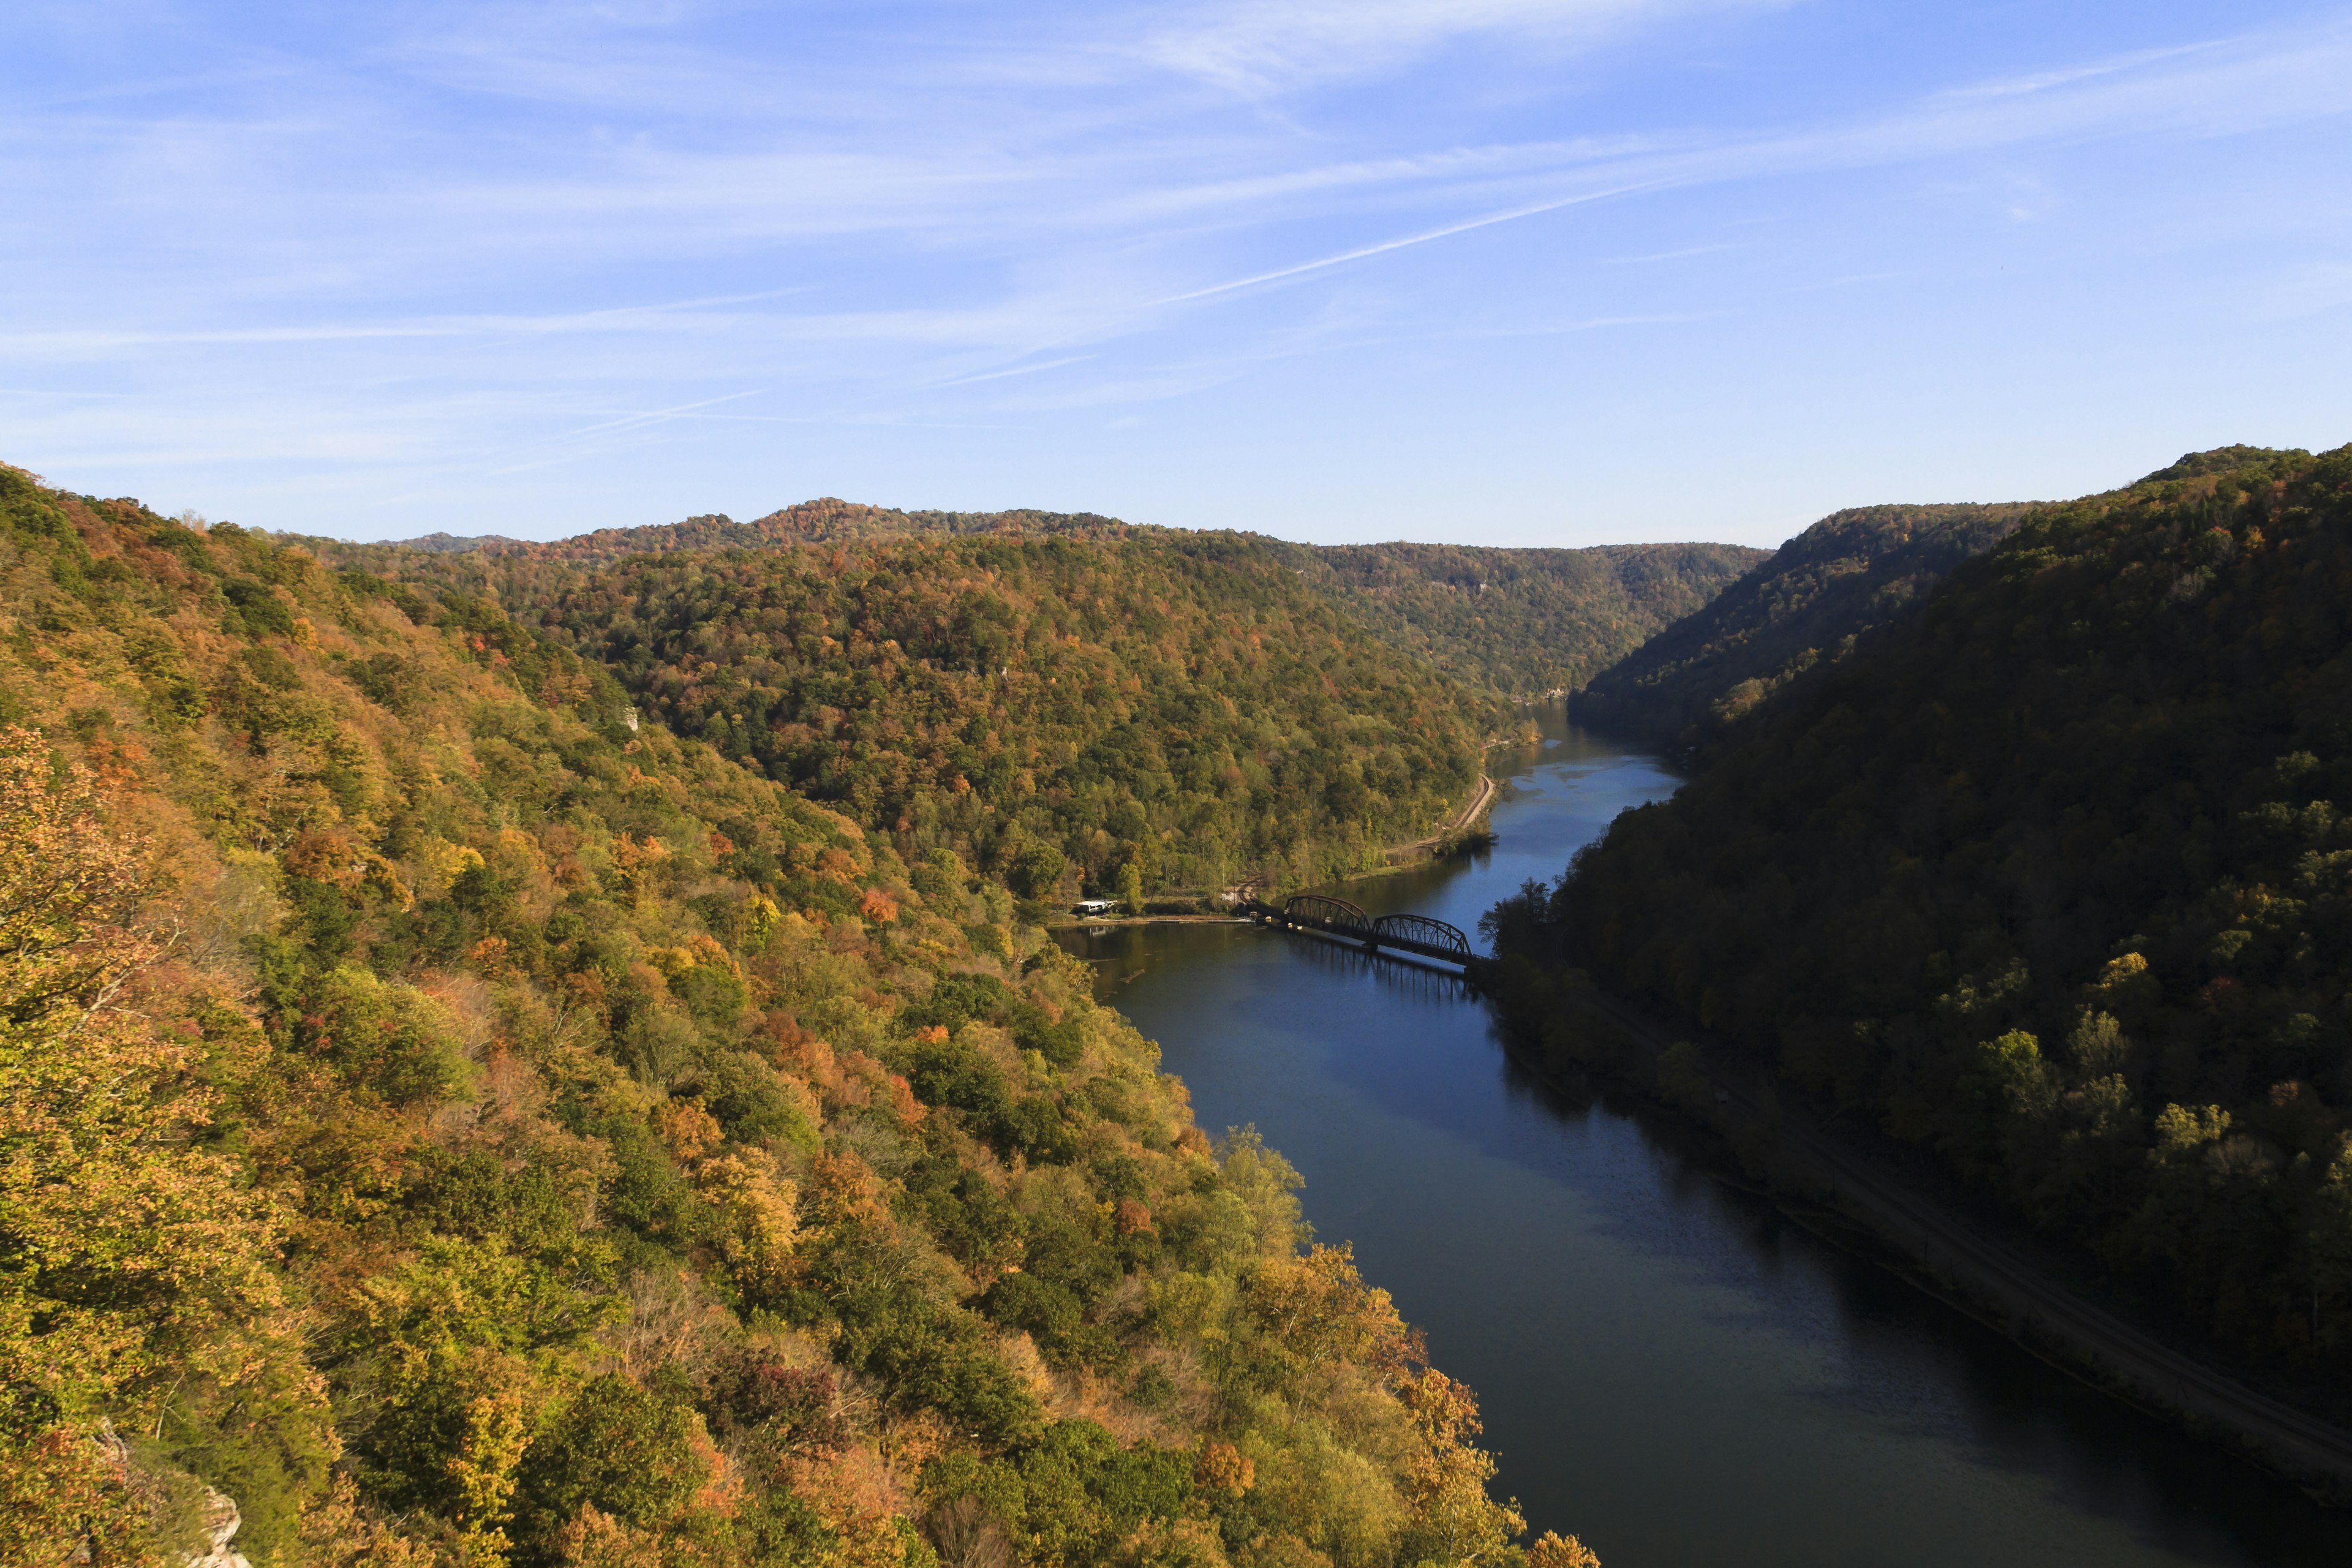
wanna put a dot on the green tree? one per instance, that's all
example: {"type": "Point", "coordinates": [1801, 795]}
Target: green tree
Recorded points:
{"type": "Point", "coordinates": [627, 1453]}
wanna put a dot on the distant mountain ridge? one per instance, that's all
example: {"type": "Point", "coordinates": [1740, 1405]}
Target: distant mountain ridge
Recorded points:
{"type": "Point", "coordinates": [1520, 622]}
{"type": "Point", "coordinates": [1523, 622]}
{"type": "Point", "coordinates": [827, 520]}
{"type": "Point", "coordinates": [1804, 605]}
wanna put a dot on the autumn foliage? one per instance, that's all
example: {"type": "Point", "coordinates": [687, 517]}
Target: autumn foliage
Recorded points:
{"type": "Point", "coordinates": [472, 1127]}
{"type": "Point", "coordinates": [1176, 712]}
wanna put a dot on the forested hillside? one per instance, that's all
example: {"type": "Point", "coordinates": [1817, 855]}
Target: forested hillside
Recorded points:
{"type": "Point", "coordinates": [1803, 607]}
{"type": "Point", "coordinates": [2054, 879]}
{"type": "Point", "coordinates": [1169, 713]}
{"type": "Point", "coordinates": [467, 1126]}
{"type": "Point", "coordinates": [822, 522]}
{"type": "Point", "coordinates": [1520, 622]}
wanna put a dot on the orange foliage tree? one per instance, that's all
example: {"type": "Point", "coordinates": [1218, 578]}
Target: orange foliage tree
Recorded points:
{"type": "Point", "coordinates": [130, 1266]}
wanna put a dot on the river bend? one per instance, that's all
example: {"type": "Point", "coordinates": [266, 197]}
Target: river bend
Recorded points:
{"type": "Point", "coordinates": [1668, 1367]}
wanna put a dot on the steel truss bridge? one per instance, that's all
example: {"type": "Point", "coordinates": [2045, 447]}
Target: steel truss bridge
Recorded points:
{"type": "Point", "coordinates": [1391, 934]}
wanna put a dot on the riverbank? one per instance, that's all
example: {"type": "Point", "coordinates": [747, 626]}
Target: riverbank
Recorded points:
{"type": "Point", "coordinates": [1480, 800]}
{"type": "Point", "coordinates": [1642, 1323]}
{"type": "Point", "coordinates": [1450, 831]}
{"type": "Point", "coordinates": [1824, 1183]}
{"type": "Point", "coordinates": [1105, 922]}
{"type": "Point", "coordinates": [1406, 856]}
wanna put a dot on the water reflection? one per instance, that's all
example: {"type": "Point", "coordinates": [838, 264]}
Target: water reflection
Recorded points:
{"type": "Point", "coordinates": [1398, 978]}
{"type": "Point", "coordinates": [1669, 1365]}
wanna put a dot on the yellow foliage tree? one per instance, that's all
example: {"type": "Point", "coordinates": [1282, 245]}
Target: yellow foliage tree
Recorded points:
{"type": "Point", "coordinates": [1553, 1550]}
{"type": "Point", "coordinates": [1455, 1522]}
{"type": "Point", "coordinates": [134, 1264]}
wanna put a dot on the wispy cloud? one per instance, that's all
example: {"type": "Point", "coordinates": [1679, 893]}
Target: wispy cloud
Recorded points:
{"type": "Point", "coordinates": [698, 316]}
{"type": "Point", "coordinates": [1681, 253]}
{"type": "Point", "coordinates": [1263, 46]}
{"type": "Point", "coordinates": [658, 415]}
{"type": "Point", "coordinates": [1403, 242]}
{"type": "Point", "coordinates": [1038, 369]}
{"type": "Point", "coordinates": [445, 230]}
{"type": "Point", "coordinates": [2226, 90]}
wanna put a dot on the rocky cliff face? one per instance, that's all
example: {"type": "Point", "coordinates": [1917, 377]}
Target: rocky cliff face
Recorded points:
{"type": "Point", "coordinates": [221, 1521]}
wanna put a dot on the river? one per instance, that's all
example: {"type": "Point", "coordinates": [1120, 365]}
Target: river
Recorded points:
{"type": "Point", "coordinates": [1667, 1366]}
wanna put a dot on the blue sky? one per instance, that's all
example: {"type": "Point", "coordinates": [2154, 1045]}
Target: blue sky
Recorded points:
{"type": "Point", "coordinates": [1502, 271]}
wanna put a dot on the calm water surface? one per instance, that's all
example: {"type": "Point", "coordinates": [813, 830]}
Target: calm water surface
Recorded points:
{"type": "Point", "coordinates": [1667, 1367]}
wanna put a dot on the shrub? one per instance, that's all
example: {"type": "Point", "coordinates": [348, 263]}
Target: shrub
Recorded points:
{"type": "Point", "coordinates": [617, 1448]}
{"type": "Point", "coordinates": [389, 1039]}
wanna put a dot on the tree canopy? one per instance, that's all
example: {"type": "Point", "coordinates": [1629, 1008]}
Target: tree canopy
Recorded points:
{"type": "Point", "coordinates": [1805, 607]}
{"type": "Point", "coordinates": [1180, 703]}
{"type": "Point", "coordinates": [2051, 878]}
{"type": "Point", "coordinates": [465, 1123]}
{"type": "Point", "coordinates": [1524, 623]}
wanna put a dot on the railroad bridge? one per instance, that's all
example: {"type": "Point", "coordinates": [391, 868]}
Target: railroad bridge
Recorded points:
{"type": "Point", "coordinates": [1395, 934]}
